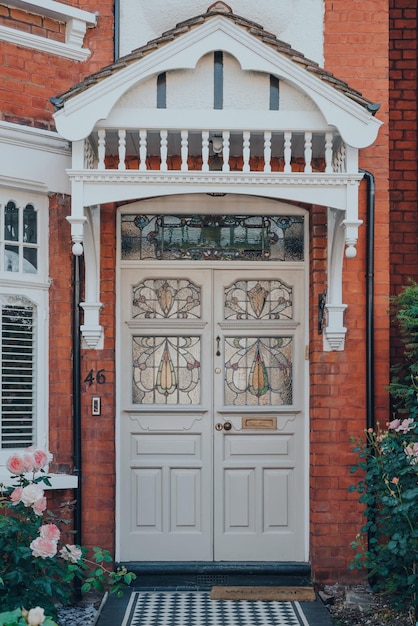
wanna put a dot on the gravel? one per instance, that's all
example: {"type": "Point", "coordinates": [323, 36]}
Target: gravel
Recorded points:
{"type": "Point", "coordinates": [359, 606]}
{"type": "Point", "coordinates": [82, 613]}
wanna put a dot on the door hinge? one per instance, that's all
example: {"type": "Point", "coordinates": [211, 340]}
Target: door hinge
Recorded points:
{"type": "Point", "coordinates": [306, 353]}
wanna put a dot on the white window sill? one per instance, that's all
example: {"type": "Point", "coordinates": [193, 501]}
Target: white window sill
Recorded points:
{"type": "Point", "coordinates": [58, 481]}
{"type": "Point", "coordinates": [76, 23]}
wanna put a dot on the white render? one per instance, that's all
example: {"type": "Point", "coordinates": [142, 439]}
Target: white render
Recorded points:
{"type": "Point", "coordinates": [297, 22]}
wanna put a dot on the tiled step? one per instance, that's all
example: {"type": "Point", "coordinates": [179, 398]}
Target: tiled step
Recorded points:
{"type": "Point", "coordinates": [204, 575]}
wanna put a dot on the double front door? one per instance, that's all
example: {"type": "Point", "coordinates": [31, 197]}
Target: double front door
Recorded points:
{"type": "Point", "coordinates": [212, 435]}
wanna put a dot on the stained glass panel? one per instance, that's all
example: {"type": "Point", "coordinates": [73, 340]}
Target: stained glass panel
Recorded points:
{"type": "Point", "coordinates": [212, 237]}
{"type": "Point", "coordinates": [166, 370]}
{"type": "Point", "coordinates": [166, 299]}
{"type": "Point", "coordinates": [258, 299]}
{"type": "Point", "coordinates": [258, 371]}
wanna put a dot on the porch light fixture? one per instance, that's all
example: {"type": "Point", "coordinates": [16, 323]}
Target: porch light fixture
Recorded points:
{"type": "Point", "coordinates": [217, 144]}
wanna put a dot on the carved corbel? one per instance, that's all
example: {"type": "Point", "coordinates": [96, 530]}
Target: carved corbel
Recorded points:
{"type": "Point", "coordinates": [335, 331]}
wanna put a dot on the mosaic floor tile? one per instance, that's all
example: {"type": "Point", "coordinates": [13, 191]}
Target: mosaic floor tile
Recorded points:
{"type": "Point", "coordinates": [195, 608]}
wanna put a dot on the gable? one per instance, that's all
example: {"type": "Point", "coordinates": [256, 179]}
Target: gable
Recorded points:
{"type": "Point", "coordinates": [183, 49]}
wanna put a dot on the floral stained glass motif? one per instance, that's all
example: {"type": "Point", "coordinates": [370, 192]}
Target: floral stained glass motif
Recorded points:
{"type": "Point", "coordinates": [212, 237]}
{"type": "Point", "coordinates": [258, 299]}
{"type": "Point", "coordinates": [258, 371]}
{"type": "Point", "coordinates": [166, 299]}
{"type": "Point", "coordinates": [166, 370]}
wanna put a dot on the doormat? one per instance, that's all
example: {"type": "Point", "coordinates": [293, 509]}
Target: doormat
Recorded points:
{"type": "Point", "coordinates": [278, 594]}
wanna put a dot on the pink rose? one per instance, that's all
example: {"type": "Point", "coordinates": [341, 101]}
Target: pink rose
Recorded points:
{"type": "Point", "coordinates": [50, 531]}
{"type": "Point", "coordinates": [31, 493]}
{"type": "Point", "coordinates": [71, 553]}
{"type": "Point", "coordinates": [28, 462]}
{"type": "Point", "coordinates": [394, 424]}
{"type": "Point", "coordinates": [43, 547]}
{"type": "Point", "coordinates": [40, 459]}
{"type": "Point", "coordinates": [15, 465]}
{"type": "Point", "coordinates": [39, 505]}
{"type": "Point", "coordinates": [16, 495]}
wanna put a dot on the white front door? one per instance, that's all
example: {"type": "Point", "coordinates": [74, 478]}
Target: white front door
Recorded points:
{"type": "Point", "coordinates": [212, 424]}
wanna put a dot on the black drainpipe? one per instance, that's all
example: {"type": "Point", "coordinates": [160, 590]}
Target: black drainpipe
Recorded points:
{"type": "Point", "coordinates": [370, 298]}
{"type": "Point", "coordinates": [116, 31]}
{"type": "Point", "coordinates": [370, 316]}
{"type": "Point", "coordinates": [77, 397]}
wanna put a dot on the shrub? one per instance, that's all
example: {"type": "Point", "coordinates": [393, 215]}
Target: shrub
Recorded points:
{"type": "Point", "coordinates": [388, 458]}
{"type": "Point", "coordinates": [36, 567]}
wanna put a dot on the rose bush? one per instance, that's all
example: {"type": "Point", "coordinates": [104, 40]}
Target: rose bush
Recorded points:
{"type": "Point", "coordinates": [387, 545]}
{"type": "Point", "coordinates": [35, 564]}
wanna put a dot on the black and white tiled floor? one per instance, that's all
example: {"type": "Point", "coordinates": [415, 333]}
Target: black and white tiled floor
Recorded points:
{"type": "Point", "coordinates": [195, 608]}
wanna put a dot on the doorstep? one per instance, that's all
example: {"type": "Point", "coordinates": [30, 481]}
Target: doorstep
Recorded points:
{"type": "Point", "coordinates": [202, 575]}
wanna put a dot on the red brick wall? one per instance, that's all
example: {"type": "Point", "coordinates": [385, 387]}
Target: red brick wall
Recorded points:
{"type": "Point", "coordinates": [29, 78]}
{"type": "Point", "coordinates": [403, 125]}
{"type": "Point", "coordinates": [356, 42]}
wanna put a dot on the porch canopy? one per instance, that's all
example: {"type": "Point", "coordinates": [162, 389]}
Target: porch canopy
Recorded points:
{"type": "Point", "coordinates": [192, 112]}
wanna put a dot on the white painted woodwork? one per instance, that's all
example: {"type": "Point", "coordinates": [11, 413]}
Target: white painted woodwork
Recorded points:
{"type": "Point", "coordinates": [188, 491]}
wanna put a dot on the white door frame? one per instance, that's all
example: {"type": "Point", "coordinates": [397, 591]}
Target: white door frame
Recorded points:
{"type": "Point", "coordinates": [224, 204]}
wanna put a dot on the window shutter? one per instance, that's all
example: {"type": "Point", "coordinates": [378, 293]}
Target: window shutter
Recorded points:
{"type": "Point", "coordinates": [18, 321]}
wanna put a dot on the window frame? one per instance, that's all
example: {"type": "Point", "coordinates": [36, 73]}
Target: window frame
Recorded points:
{"type": "Point", "coordinates": [34, 287]}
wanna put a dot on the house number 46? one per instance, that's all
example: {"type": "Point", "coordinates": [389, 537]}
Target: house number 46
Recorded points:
{"type": "Point", "coordinates": [100, 377]}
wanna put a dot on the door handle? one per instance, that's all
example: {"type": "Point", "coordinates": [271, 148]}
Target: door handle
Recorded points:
{"type": "Point", "coordinates": [226, 426]}
{"type": "Point", "coordinates": [218, 346]}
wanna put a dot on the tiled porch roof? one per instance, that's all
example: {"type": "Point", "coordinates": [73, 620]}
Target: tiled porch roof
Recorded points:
{"type": "Point", "coordinates": [218, 8]}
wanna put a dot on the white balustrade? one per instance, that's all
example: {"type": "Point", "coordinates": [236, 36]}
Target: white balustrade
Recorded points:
{"type": "Point", "coordinates": [289, 152]}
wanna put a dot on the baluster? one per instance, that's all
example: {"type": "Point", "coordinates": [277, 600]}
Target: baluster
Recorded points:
{"type": "Point", "coordinates": [287, 152]}
{"type": "Point", "coordinates": [225, 150]}
{"type": "Point", "coordinates": [308, 152]}
{"type": "Point", "coordinates": [122, 150]}
{"type": "Point", "coordinates": [205, 151]}
{"type": "Point", "coordinates": [142, 150]}
{"type": "Point", "coordinates": [267, 151]}
{"type": "Point", "coordinates": [328, 153]}
{"type": "Point", "coordinates": [246, 150]}
{"type": "Point", "coordinates": [163, 150]}
{"type": "Point", "coordinates": [184, 150]}
{"type": "Point", "coordinates": [101, 148]}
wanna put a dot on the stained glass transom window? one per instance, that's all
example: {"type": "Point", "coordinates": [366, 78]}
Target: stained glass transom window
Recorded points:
{"type": "Point", "coordinates": [166, 299]}
{"type": "Point", "coordinates": [258, 299]}
{"type": "Point", "coordinates": [212, 237]}
{"type": "Point", "coordinates": [258, 371]}
{"type": "Point", "coordinates": [166, 370]}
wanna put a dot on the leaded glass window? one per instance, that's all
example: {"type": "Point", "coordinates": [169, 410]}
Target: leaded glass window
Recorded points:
{"type": "Point", "coordinates": [258, 371]}
{"type": "Point", "coordinates": [166, 299]}
{"type": "Point", "coordinates": [20, 238]}
{"type": "Point", "coordinates": [258, 299]}
{"type": "Point", "coordinates": [166, 370]}
{"type": "Point", "coordinates": [212, 237]}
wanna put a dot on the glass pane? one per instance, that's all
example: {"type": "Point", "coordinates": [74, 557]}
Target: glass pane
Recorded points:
{"type": "Point", "coordinates": [213, 237]}
{"type": "Point", "coordinates": [156, 299]}
{"type": "Point", "coordinates": [11, 258]}
{"type": "Point", "coordinates": [166, 370]}
{"type": "Point", "coordinates": [258, 371]}
{"type": "Point", "coordinates": [30, 260]}
{"type": "Point", "coordinates": [30, 229]}
{"type": "Point", "coordinates": [258, 299]}
{"type": "Point", "coordinates": [11, 222]}
{"type": "Point", "coordinates": [17, 376]}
